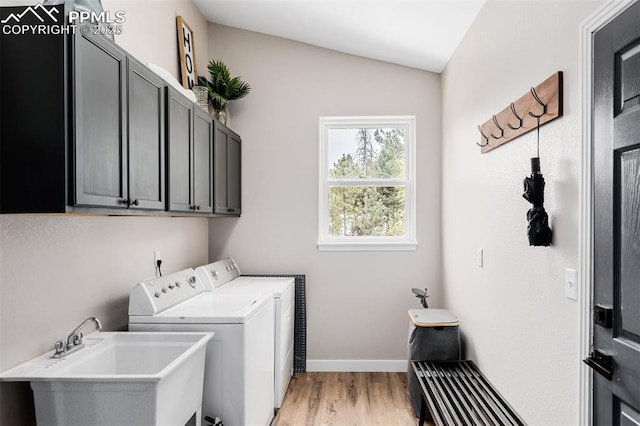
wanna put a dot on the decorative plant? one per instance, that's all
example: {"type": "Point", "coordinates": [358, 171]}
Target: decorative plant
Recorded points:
{"type": "Point", "coordinates": [222, 87]}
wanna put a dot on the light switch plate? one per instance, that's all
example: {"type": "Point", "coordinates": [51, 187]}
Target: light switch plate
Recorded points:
{"type": "Point", "coordinates": [571, 283]}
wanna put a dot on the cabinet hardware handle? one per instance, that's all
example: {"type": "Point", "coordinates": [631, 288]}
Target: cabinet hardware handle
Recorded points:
{"type": "Point", "coordinates": [197, 207]}
{"type": "Point", "coordinates": [125, 201]}
{"type": "Point", "coordinates": [135, 202]}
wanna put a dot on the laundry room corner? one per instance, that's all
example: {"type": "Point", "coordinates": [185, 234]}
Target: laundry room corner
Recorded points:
{"type": "Point", "coordinates": [511, 302]}
{"type": "Point", "coordinates": [357, 301]}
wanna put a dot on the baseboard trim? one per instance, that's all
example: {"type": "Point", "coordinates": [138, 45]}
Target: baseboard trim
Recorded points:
{"type": "Point", "coordinates": [357, 365]}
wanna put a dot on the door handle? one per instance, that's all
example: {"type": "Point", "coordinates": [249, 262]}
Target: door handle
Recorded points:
{"type": "Point", "coordinates": [603, 316]}
{"type": "Point", "coordinates": [601, 363]}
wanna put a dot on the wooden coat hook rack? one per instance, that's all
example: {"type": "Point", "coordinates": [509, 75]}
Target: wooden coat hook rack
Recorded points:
{"type": "Point", "coordinates": [543, 102]}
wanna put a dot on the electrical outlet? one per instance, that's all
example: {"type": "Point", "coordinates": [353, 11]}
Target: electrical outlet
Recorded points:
{"type": "Point", "coordinates": [480, 258]}
{"type": "Point", "coordinates": [571, 283]}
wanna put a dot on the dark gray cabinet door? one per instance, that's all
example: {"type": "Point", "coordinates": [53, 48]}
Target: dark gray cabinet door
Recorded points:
{"type": "Point", "coordinates": [234, 195]}
{"type": "Point", "coordinates": [146, 142]}
{"type": "Point", "coordinates": [226, 179]}
{"type": "Point", "coordinates": [220, 169]}
{"type": "Point", "coordinates": [179, 152]}
{"type": "Point", "coordinates": [202, 161]}
{"type": "Point", "coordinates": [100, 139]}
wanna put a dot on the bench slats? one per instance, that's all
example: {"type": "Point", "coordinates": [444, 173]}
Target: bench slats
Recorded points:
{"type": "Point", "coordinates": [458, 394]}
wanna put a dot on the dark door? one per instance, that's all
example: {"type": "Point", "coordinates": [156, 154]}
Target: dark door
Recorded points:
{"type": "Point", "coordinates": [145, 137]}
{"type": "Point", "coordinates": [220, 144]}
{"type": "Point", "coordinates": [100, 138]}
{"type": "Point", "coordinates": [617, 221]}
{"type": "Point", "coordinates": [179, 151]}
{"type": "Point", "coordinates": [227, 171]}
{"type": "Point", "coordinates": [202, 161]}
{"type": "Point", "coordinates": [233, 173]}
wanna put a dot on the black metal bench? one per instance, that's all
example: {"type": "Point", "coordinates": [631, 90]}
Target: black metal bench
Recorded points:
{"type": "Point", "coordinates": [457, 393]}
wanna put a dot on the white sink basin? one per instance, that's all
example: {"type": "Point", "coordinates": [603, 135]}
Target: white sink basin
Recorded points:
{"type": "Point", "coordinates": [119, 378]}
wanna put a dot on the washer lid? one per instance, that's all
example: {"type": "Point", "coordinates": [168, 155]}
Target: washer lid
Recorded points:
{"type": "Point", "coordinates": [433, 318]}
{"type": "Point", "coordinates": [276, 286]}
{"type": "Point", "coordinates": [209, 308]}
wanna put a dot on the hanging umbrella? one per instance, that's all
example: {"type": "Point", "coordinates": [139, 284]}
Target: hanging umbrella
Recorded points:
{"type": "Point", "coordinates": [538, 230]}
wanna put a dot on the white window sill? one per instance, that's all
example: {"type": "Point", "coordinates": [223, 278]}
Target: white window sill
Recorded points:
{"type": "Point", "coordinates": [367, 245]}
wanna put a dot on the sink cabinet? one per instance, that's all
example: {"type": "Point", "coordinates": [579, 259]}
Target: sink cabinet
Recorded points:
{"type": "Point", "coordinates": [227, 192]}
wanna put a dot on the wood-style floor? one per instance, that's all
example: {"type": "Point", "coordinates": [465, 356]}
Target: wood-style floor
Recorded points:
{"type": "Point", "coordinates": [340, 398]}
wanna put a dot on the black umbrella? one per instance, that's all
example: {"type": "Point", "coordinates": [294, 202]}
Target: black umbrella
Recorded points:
{"type": "Point", "coordinates": [538, 230]}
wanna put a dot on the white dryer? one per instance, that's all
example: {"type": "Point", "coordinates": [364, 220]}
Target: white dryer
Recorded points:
{"type": "Point", "coordinates": [238, 382]}
{"type": "Point", "coordinates": [223, 277]}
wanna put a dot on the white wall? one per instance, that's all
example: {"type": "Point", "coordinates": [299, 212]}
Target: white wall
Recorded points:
{"type": "Point", "coordinates": [149, 32]}
{"type": "Point", "coordinates": [57, 270]}
{"type": "Point", "coordinates": [519, 326]}
{"type": "Point", "coordinates": [357, 302]}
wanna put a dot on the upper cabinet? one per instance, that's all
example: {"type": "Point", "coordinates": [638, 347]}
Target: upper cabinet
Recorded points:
{"type": "Point", "coordinates": [226, 180]}
{"type": "Point", "coordinates": [100, 139]}
{"type": "Point", "coordinates": [202, 161]}
{"type": "Point", "coordinates": [34, 130]}
{"type": "Point", "coordinates": [145, 137]}
{"type": "Point", "coordinates": [118, 128]}
{"type": "Point", "coordinates": [86, 128]}
{"type": "Point", "coordinates": [179, 150]}
{"type": "Point", "coordinates": [189, 141]}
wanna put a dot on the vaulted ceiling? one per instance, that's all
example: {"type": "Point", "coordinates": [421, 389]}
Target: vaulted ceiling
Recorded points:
{"type": "Point", "coordinates": [421, 34]}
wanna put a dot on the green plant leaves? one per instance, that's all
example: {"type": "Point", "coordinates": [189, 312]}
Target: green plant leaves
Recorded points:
{"type": "Point", "coordinates": [221, 86]}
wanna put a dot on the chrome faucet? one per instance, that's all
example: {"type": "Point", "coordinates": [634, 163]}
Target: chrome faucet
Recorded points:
{"type": "Point", "coordinates": [74, 340]}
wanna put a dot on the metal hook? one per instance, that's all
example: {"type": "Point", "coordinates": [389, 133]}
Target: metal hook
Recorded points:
{"type": "Point", "coordinates": [520, 120]}
{"type": "Point", "coordinates": [495, 120]}
{"type": "Point", "coordinates": [544, 106]}
{"type": "Point", "coordinates": [484, 136]}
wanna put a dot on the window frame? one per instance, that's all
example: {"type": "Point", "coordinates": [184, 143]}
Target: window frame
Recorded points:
{"type": "Point", "coordinates": [408, 241]}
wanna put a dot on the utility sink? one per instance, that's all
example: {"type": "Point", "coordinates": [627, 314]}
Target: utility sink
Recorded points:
{"type": "Point", "coordinates": [120, 378]}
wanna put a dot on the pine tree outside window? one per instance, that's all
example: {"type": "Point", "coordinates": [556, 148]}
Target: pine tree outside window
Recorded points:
{"type": "Point", "coordinates": [367, 183]}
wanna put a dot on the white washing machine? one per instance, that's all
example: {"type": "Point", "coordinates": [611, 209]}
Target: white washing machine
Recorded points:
{"type": "Point", "coordinates": [223, 277]}
{"type": "Point", "coordinates": [238, 382]}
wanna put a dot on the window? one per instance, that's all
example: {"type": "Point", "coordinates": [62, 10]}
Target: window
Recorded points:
{"type": "Point", "coordinates": [367, 193]}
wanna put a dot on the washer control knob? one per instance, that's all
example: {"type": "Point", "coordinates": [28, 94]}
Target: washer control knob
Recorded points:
{"type": "Point", "coordinates": [214, 274]}
{"type": "Point", "coordinates": [192, 281]}
{"type": "Point", "coordinates": [178, 284]}
{"type": "Point", "coordinates": [157, 295]}
{"type": "Point", "coordinates": [164, 290]}
{"type": "Point", "coordinates": [171, 286]}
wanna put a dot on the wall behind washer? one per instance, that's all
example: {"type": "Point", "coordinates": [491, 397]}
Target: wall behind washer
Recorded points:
{"type": "Point", "coordinates": [57, 270]}
{"type": "Point", "coordinates": [519, 325]}
{"type": "Point", "coordinates": [357, 301]}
